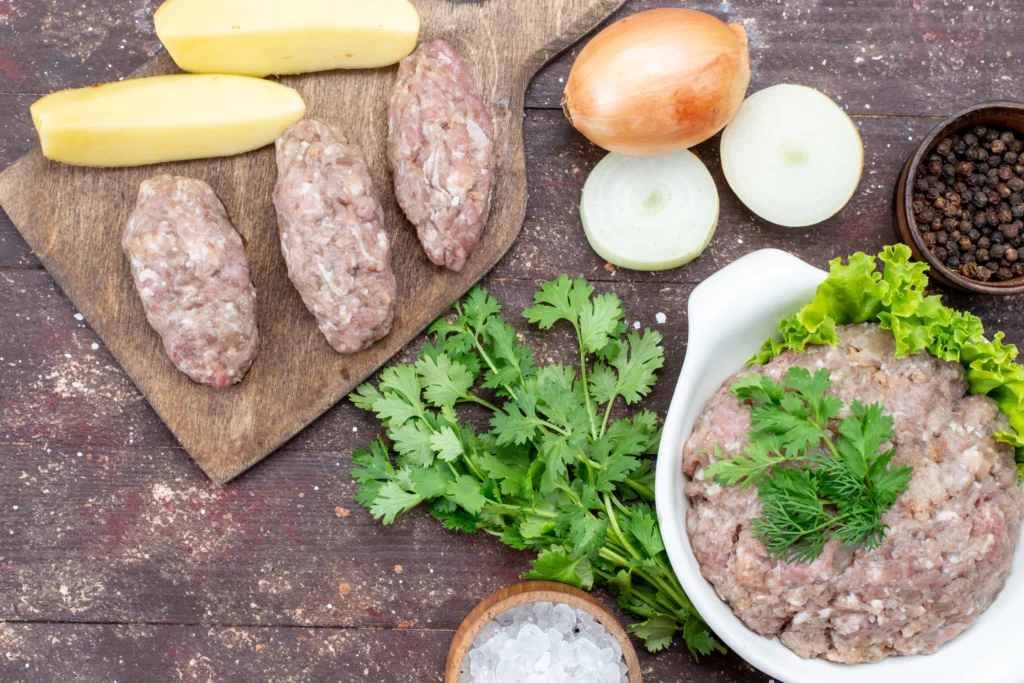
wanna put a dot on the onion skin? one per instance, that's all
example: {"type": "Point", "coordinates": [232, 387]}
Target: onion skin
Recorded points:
{"type": "Point", "coordinates": [658, 81]}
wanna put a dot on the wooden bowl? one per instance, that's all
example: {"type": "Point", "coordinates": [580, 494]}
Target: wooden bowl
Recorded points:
{"type": "Point", "coordinates": [535, 591]}
{"type": "Point", "coordinates": [1009, 115]}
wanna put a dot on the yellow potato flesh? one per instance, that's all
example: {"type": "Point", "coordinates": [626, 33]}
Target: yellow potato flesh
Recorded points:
{"type": "Point", "coordinates": [165, 118]}
{"type": "Point", "coordinates": [263, 37]}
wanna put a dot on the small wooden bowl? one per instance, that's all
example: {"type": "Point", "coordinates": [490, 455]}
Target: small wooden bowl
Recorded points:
{"type": "Point", "coordinates": [1009, 115]}
{"type": "Point", "coordinates": [535, 591]}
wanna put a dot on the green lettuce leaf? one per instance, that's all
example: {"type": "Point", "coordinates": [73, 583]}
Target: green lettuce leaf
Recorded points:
{"type": "Point", "coordinates": [857, 292]}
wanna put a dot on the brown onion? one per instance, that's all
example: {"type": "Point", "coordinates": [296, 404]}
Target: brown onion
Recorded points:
{"type": "Point", "coordinates": [658, 81]}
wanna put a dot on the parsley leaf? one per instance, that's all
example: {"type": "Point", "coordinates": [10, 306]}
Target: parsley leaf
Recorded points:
{"type": "Point", "coordinates": [553, 473]}
{"type": "Point", "coordinates": [836, 483]}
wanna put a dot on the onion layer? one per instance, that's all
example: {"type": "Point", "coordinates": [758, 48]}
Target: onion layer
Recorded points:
{"type": "Point", "coordinates": [658, 81]}
{"type": "Point", "coordinates": [650, 213]}
{"type": "Point", "coordinates": [792, 155]}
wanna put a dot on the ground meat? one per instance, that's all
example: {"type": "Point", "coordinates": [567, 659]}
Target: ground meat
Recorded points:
{"type": "Point", "coordinates": [441, 152]}
{"type": "Point", "coordinates": [952, 533]}
{"type": "Point", "coordinates": [332, 235]}
{"type": "Point", "coordinates": [190, 270]}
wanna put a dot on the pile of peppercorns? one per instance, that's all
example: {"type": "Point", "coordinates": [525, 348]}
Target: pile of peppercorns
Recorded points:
{"type": "Point", "coordinates": [969, 202]}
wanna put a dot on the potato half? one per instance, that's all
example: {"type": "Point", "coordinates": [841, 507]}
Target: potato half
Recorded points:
{"type": "Point", "coordinates": [263, 37]}
{"type": "Point", "coordinates": [164, 118]}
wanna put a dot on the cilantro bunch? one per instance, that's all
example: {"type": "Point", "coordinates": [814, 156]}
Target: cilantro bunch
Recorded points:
{"type": "Point", "coordinates": [556, 472]}
{"type": "Point", "coordinates": [814, 482]}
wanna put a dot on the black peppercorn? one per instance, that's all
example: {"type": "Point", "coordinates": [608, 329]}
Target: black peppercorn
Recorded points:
{"type": "Point", "coordinates": [968, 197]}
{"type": "Point", "coordinates": [1017, 269]}
{"type": "Point", "coordinates": [1004, 273]}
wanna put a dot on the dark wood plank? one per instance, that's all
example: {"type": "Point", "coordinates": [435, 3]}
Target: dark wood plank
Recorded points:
{"type": "Point", "coordinates": [101, 652]}
{"type": "Point", "coordinates": [296, 376]}
{"type": "Point", "coordinates": [879, 57]}
{"type": "Point", "coordinates": [140, 536]}
{"type": "Point", "coordinates": [559, 160]}
{"type": "Point", "coordinates": [902, 57]}
{"type": "Point", "coordinates": [55, 388]}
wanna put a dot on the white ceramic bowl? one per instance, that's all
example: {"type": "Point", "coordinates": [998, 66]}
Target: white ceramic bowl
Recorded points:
{"type": "Point", "coordinates": [730, 315]}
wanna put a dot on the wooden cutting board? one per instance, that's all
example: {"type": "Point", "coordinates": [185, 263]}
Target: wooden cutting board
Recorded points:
{"type": "Point", "coordinates": [73, 219]}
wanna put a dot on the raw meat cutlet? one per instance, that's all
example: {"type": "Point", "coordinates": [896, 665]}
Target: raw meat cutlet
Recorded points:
{"type": "Point", "coordinates": [190, 270]}
{"type": "Point", "coordinates": [441, 152]}
{"type": "Point", "coordinates": [332, 235]}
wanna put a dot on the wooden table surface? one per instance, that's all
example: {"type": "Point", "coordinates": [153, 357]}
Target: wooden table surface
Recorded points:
{"type": "Point", "coordinates": [120, 561]}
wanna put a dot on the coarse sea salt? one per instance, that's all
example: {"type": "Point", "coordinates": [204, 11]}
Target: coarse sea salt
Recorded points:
{"type": "Point", "coordinates": [544, 642]}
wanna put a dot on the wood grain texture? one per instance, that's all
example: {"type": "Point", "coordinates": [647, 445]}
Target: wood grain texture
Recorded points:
{"type": "Point", "coordinates": [152, 653]}
{"type": "Point", "coordinates": [73, 218]}
{"type": "Point", "coordinates": [240, 592]}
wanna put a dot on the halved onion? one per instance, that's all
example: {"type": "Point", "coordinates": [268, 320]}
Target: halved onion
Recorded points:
{"type": "Point", "coordinates": [792, 155]}
{"type": "Point", "coordinates": [650, 213]}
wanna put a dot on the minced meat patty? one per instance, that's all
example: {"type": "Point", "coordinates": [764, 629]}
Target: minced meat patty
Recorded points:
{"type": "Point", "coordinates": [952, 533]}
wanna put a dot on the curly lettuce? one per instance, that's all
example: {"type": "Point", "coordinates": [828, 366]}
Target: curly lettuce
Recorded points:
{"type": "Point", "coordinates": [858, 292]}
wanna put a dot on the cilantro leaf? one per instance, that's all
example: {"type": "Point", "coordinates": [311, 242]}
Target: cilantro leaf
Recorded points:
{"type": "Point", "coordinates": [556, 564]}
{"type": "Point", "coordinates": [445, 382]}
{"type": "Point", "coordinates": [656, 632]}
{"type": "Point", "coordinates": [553, 474]}
{"type": "Point", "coordinates": [834, 485]}
{"type": "Point", "coordinates": [465, 492]}
{"type": "Point", "coordinates": [447, 444]}
{"type": "Point", "coordinates": [391, 501]}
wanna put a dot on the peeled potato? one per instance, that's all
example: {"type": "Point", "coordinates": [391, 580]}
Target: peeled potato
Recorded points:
{"type": "Point", "coordinates": [263, 37]}
{"type": "Point", "coordinates": [164, 118]}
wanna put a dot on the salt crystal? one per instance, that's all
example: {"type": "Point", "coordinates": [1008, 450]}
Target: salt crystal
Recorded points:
{"type": "Point", "coordinates": [544, 642]}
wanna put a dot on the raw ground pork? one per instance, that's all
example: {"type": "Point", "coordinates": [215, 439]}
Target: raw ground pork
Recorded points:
{"type": "Point", "coordinates": [441, 152]}
{"type": "Point", "coordinates": [190, 270]}
{"type": "Point", "coordinates": [952, 533]}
